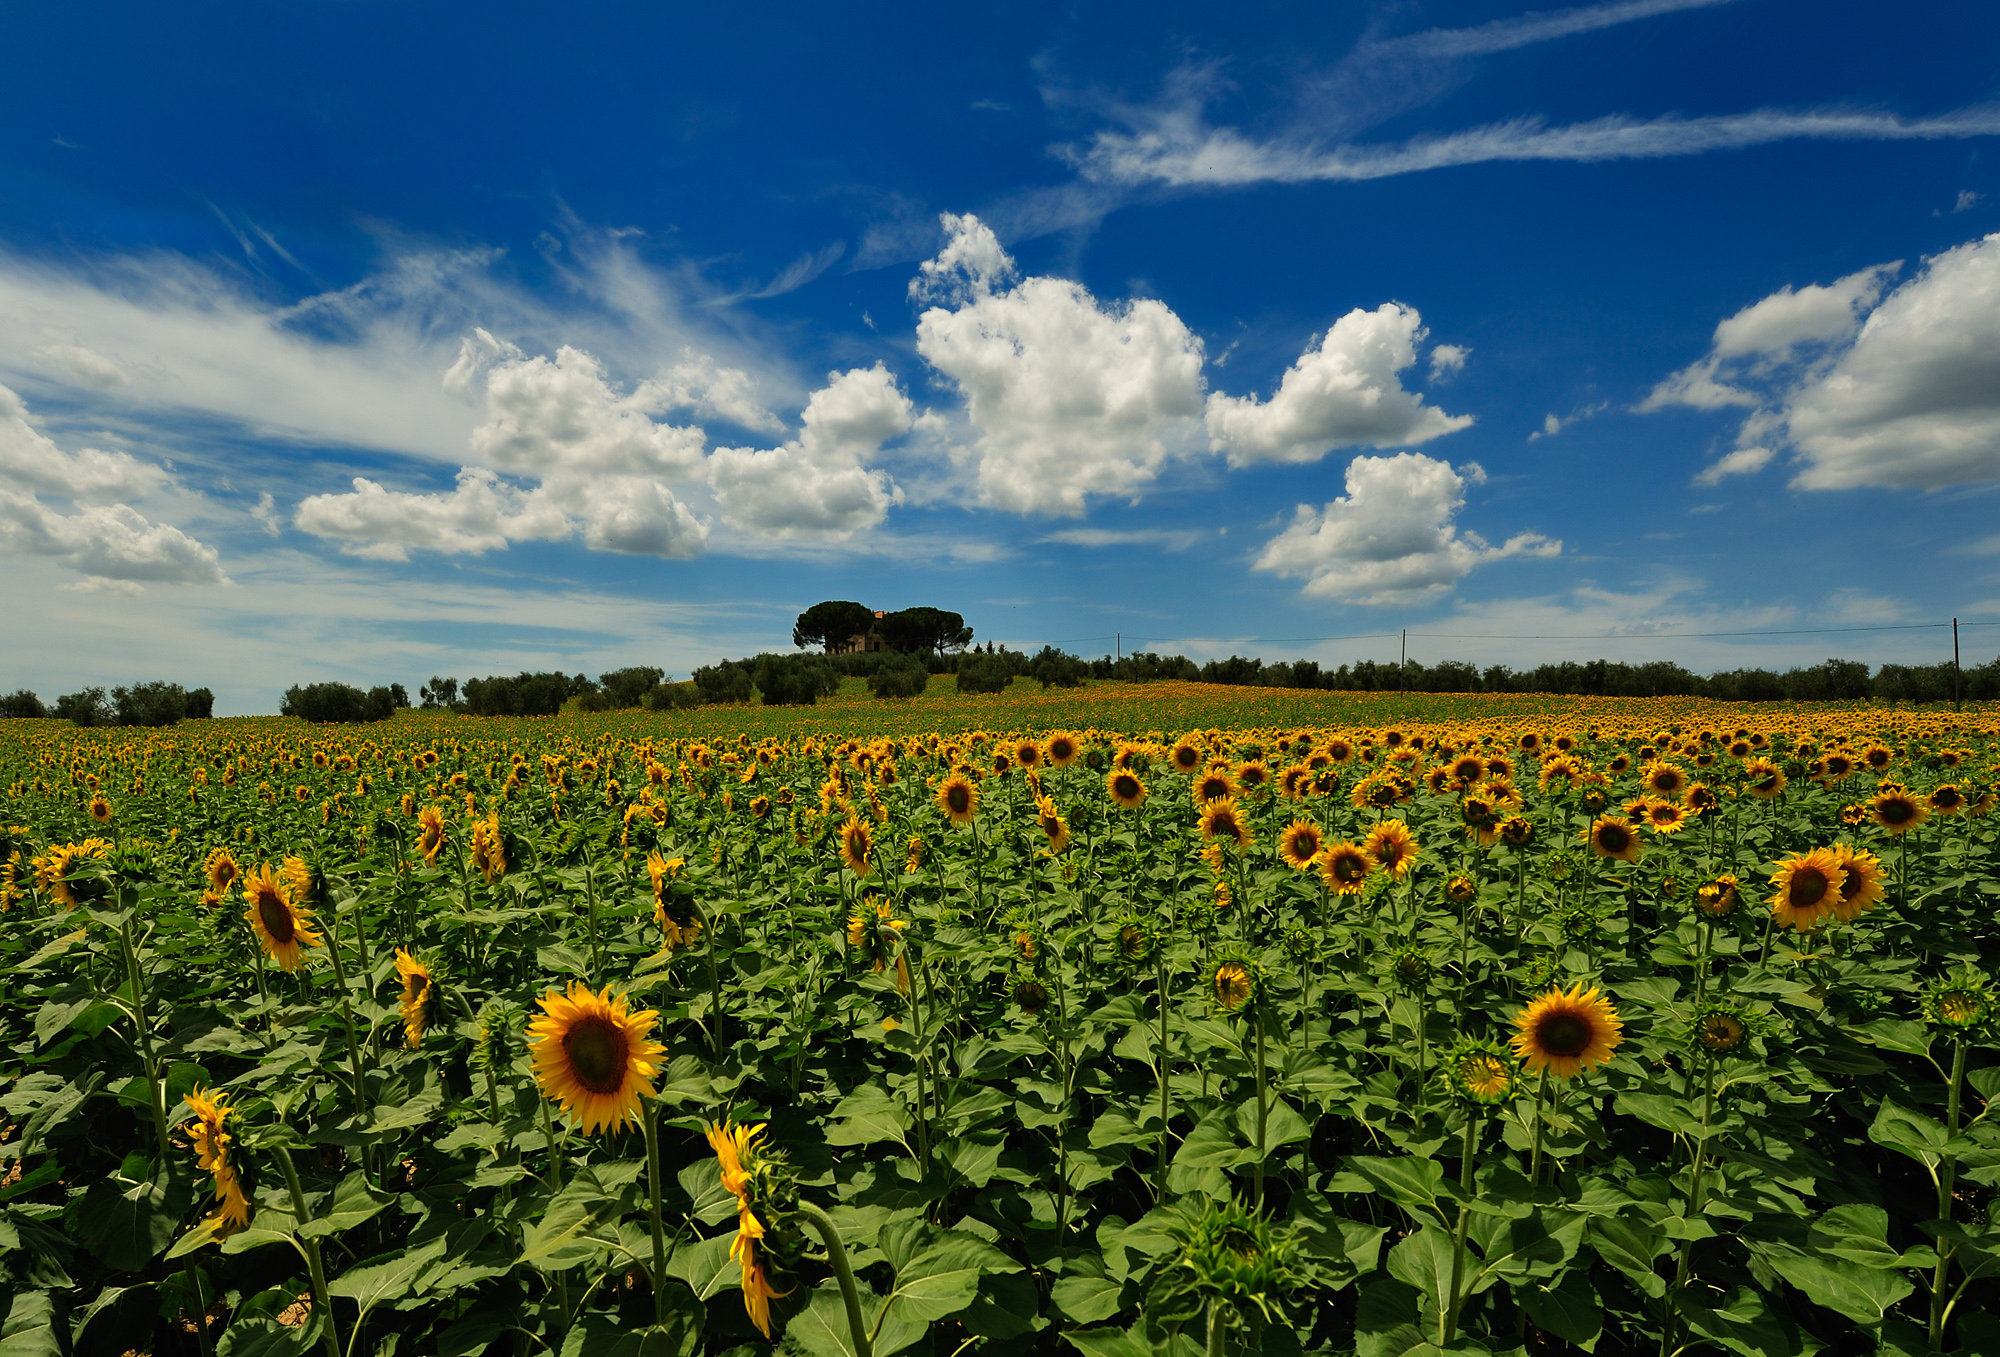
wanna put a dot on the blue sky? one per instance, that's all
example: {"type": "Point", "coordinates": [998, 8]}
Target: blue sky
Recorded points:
{"type": "Point", "coordinates": [376, 340]}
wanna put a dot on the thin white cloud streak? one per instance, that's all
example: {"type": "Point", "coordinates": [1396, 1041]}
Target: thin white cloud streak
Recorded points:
{"type": "Point", "coordinates": [1182, 151]}
{"type": "Point", "coordinates": [1523, 30]}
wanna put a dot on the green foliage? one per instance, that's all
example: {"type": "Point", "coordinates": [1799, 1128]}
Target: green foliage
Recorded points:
{"type": "Point", "coordinates": [324, 703]}
{"type": "Point", "coordinates": [984, 673]}
{"type": "Point", "coordinates": [831, 624]}
{"type": "Point", "coordinates": [904, 676]}
{"type": "Point", "coordinates": [726, 681]}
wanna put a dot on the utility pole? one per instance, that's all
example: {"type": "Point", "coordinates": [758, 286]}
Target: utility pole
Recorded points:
{"type": "Point", "coordinates": [1403, 669]}
{"type": "Point", "coordinates": [1956, 703]}
{"type": "Point", "coordinates": [1118, 638]}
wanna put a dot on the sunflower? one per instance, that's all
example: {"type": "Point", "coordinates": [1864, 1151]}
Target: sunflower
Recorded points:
{"type": "Point", "coordinates": [1460, 889]}
{"type": "Point", "coordinates": [1718, 898]}
{"type": "Point", "coordinates": [430, 833]}
{"type": "Point", "coordinates": [1125, 788]}
{"type": "Point", "coordinates": [209, 1138]}
{"type": "Point", "coordinates": [283, 927]}
{"type": "Point", "coordinates": [1663, 779]}
{"type": "Point", "coordinates": [958, 798]}
{"type": "Point", "coordinates": [419, 982]}
{"type": "Point", "coordinates": [1300, 844]}
{"type": "Point", "coordinates": [1480, 1072]}
{"type": "Point", "coordinates": [590, 1053]}
{"type": "Point", "coordinates": [1946, 800]}
{"type": "Point", "coordinates": [1897, 811]}
{"type": "Point", "coordinates": [857, 841]}
{"type": "Point", "coordinates": [1806, 888]}
{"type": "Point", "coordinates": [1213, 785]}
{"type": "Point", "coordinates": [1295, 781]}
{"type": "Point", "coordinates": [55, 869]}
{"type": "Point", "coordinates": [1410, 966]}
{"type": "Point", "coordinates": [489, 849]}
{"type": "Point", "coordinates": [1878, 757]}
{"type": "Point", "coordinates": [1392, 847]}
{"type": "Point", "coordinates": [1053, 825]}
{"type": "Point", "coordinates": [1720, 1028]}
{"type": "Point", "coordinates": [747, 1175]}
{"type": "Point", "coordinates": [1467, 769]}
{"type": "Point", "coordinates": [1862, 888]}
{"type": "Point", "coordinates": [1223, 820]}
{"type": "Point", "coordinates": [1063, 749]}
{"type": "Point", "coordinates": [1666, 817]}
{"type": "Point", "coordinates": [1613, 837]}
{"type": "Point", "coordinates": [1233, 985]}
{"type": "Point", "coordinates": [1567, 1031]}
{"type": "Point", "coordinates": [1517, 831]}
{"type": "Point", "coordinates": [1184, 757]}
{"type": "Point", "coordinates": [1252, 775]}
{"type": "Point", "coordinates": [1763, 778]}
{"type": "Point", "coordinates": [1959, 1002]}
{"type": "Point", "coordinates": [1134, 939]}
{"type": "Point", "coordinates": [1345, 868]}
{"type": "Point", "coordinates": [222, 870]}
{"type": "Point", "coordinates": [1700, 801]}
{"type": "Point", "coordinates": [100, 809]}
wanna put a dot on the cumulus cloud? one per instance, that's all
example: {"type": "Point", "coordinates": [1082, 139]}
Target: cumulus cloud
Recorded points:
{"type": "Point", "coordinates": [1344, 393]}
{"type": "Point", "coordinates": [1067, 396]}
{"type": "Point", "coordinates": [99, 537]}
{"type": "Point", "coordinates": [601, 462]}
{"type": "Point", "coordinates": [1862, 389]}
{"type": "Point", "coordinates": [1391, 539]}
{"type": "Point", "coordinates": [815, 486]}
{"type": "Point", "coordinates": [1447, 361]}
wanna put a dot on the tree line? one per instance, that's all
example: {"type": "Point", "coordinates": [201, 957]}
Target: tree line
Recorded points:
{"type": "Point", "coordinates": [154, 703]}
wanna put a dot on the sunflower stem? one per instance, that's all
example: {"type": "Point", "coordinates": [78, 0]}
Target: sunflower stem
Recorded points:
{"type": "Point", "coordinates": [836, 1254]}
{"type": "Point", "coordinates": [1448, 1322]}
{"type": "Point", "coordinates": [200, 1316]}
{"type": "Point", "coordinates": [1218, 1326]}
{"type": "Point", "coordinates": [1694, 1196]}
{"type": "Point", "coordinates": [1160, 970]}
{"type": "Point", "coordinates": [1946, 1180]}
{"type": "Point", "coordinates": [156, 1094]}
{"type": "Point", "coordinates": [648, 1119]}
{"type": "Point", "coordinates": [316, 1267]}
{"type": "Point", "coordinates": [1257, 1021]}
{"type": "Point", "coordinates": [1535, 1154]}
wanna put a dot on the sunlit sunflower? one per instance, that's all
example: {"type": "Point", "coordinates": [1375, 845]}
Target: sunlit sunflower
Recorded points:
{"type": "Point", "coordinates": [1663, 779]}
{"type": "Point", "coordinates": [1053, 825]}
{"type": "Point", "coordinates": [1612, 836]}
{"type": "Point", "coordinates": [1213, 785]}
{"type": "Point", "coordinates": [1718, 898]}
{"type": "Point", "coordinates": [742, 1160]}
{"type": "Point", "coordinates": [1185, 758]}
{"type": "Point", "coordinates": [1125, 788]}
{"type": "Point", "coordinates": [1345, 868]}
{"type": "Point", "coordinates": [1863, 885]}
{"type": "Point", "coordinates": [1805, 889]}
{"type": "Point", "coordinates": [590, 1054]}
{"type": "Point", "coordinates": [1252, 775]}
{"type": "Point", "coordinates": [1897, 811]}
{"type": "Point", "coordinates": [1223, 821]}
{"type": "Point", "coordinates": [1062, 749]}
{"type": "Point", "coordinates": [1460, 889]}
{"type": "Point", "coordinates": [1567, 1031]}
{"type": "Point", "coordinates": [100, 810]}
{"type": "Point", "coordinates": [430, 832]}
{"type": "Point", "coordinates": [419, 982]}
{"type": "Point", "coordinates": [282, 926]}
{"type": "Point", "coordinates": [1666, 817]}
{"type": "Point", "coordinates": [55, 870]}
{"type": "Point", "coordinates": [1946, 800]}
{"type": "Point", "coordinates": [857, 842]}
{"type": "Point", "coordinates": [1392, 847]}
{"type": "Point", "coordinates": [1300, 844]}
{"type": "Point", "coordinates": [489, 848]}
{"type": "Point", "coordinates": [1467, 769]}
{"type": "Point", "coordinates": [1517, 831]}
{"type": "Point", "coordinates": [958, 798]}
{"type": "Point", "coordinates": [1763, 779]}
{"type": "Point", "coordinates": [1480, 1072]}
{"type": "Point", "coordinates": [222, 871]}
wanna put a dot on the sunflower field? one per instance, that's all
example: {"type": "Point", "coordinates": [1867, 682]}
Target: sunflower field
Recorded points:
{"type": "Point", "coordinates": [1651, 1027]}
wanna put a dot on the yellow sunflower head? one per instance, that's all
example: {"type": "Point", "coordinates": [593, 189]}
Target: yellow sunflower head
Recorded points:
{"type": "Point", "coordinates": [222, 870]}
{"type": "Point", "coordinates": [1721, 1027]}
{"type": "Point", "coordinates": [1897, 811]}
{"type": "Point", "coordinates": [1806, 887]}
{"type": "Point", "coordinates": [1480, 1072]}
{"type": "Point", "coordinates": [1961, 1002]}
{"type": "Point", "coordinates": [761, 1180]}
{"type": "Point", "coordinates": [857, 844]}
{"type": "Point", "coordinates": [1718, 898]}
{"type": "Point", "coordinates": [1125, 788]}
{"type": "Point", "coordinates": [430, 832]}
{"type": "Point", "coordinates": [592, 1055]}
{"type": "Point", "coordinates": [1222, 822]}
{"type": "Point", "coordinates": [958, 798]}
{"type": "Point", "coordinates": [1300, 844]}
{"type": "Point", "coordinates": [1234, 983]}
{"type": "Point", "coordinates": [419, 986]}
{"type": "Point", "coordinates": [1392, 847]}
{"type": "Point", "coordinates": [1612, 836]}
{"type": "Point", "coordinates": [1863, 885]}
{"type": "Point", "coordinates": [1567, 1031]}
{"type": "Point", "coordinates": [282, 926]}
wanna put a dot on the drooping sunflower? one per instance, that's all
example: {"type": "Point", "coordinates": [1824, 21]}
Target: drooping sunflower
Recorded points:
{"type": "Point", "coordinates": [857, 843]}
{"type": "Point", "coordinates": [1460, 888]}
{"type": "Point", "coordinates": [55, 870]}
{"type": "Point", "coordinates": [958, 798]}
{"type": "Point", "coordinates": [1567, 1031]}
{"type": "Point", "coordinates": [1392, 847]}
{"type": "Point", "coordinates": [1300, 844]}
{"type": "Point", "coordinates": [591, 1055]}
{"type": "Point", "coordinates": [489, 848]}
{"type": "Point", "coordinates": [209, 1138]}
{"type": "Point", "coordinates": [1053, 825]}
{"type": "Point", "coordinates": [1896, 810]}
{"type": "Point", "coordinates": [1864, 884]}
{"type": "Point", "coordinates": [430, 833]}
{"type": "Point", "coordinates": [283, 927]}
{"type": "Point", "coordinates": [419, 983]}
{"type": "Point", "coordinates": [1718, 898]}
{"type": "Point", "coordinates": [1613, 836]}
{"type": "Point", "coordinates": [1806, 887]}
{"type": "Point", "coordinates": [1345, 868]}
{"type": "Point", "coordinates": [1125, 788]}
{"type": "Point", "coordinates": [755, 1177]}
{"type": "Point", "coordinates": [1222, 821]}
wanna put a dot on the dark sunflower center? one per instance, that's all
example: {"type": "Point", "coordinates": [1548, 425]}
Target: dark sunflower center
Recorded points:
{"type": "Point", "coordinates": [1564, 1034]}
{"type": "Point", "coordinates": [1614, 839]}
{"type": "Point", "coordinates": [598, 1051]}
{"type": "Point", "coordinates": [960, 798]}
{"type": "Point", "coordinates": [1127, 787]}
{"type": "Point", "coordinates": [1808, 887]}
{"type": "Point", "coordinates": [418, 984]}
{"type": "Point", "coordinates": [277, 918]}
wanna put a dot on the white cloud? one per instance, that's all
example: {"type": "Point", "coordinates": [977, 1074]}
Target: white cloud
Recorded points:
{"type": "Point", "coordinates": [1391, 538]}
{"type": "Point", "coordinates": [1916, 400]}
{"type": "Point", "coordinates": [1865, 390]}
{"type": "Point", "coordinates": [99, 538]}
{"type": "Point", "coordinates": [482, 514]}
{"type": "Point", "coordinates": [30, 459]}
{"type": "Point", "coordinates": [700, 384]}
{"type": "Point", "coordinates": [1553, 423]}
{"type": "Point", "coordinates": [80, 364]}
{"type": "Point", "coordinates": [1966, 198]}
{"type": "Point", "coordinates": [1177, 147]}
{"type": "Point", "coordinates": [1345, 393]}
{"type": "Point", "coordinates": [548, 416]}
{"type": "Point", "coordinates": [1068, 397]}
{"type": "Point", "coordinates": [1742, 462]}
{"type": "Point", "coordinates": [1447, 361]}
{"type": "Point", "coordinates": [815, 487]}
